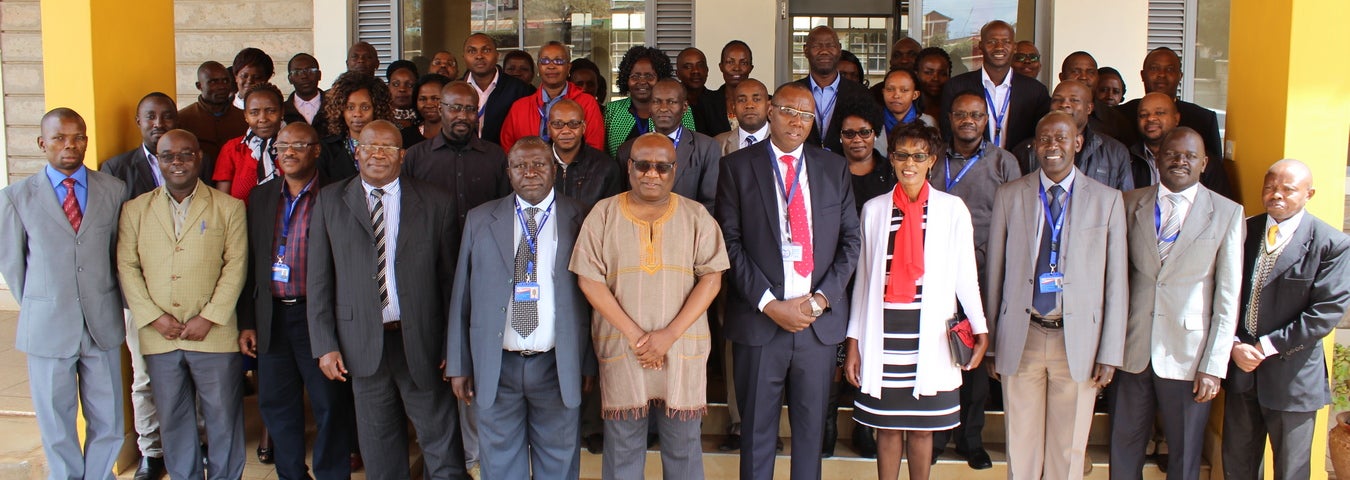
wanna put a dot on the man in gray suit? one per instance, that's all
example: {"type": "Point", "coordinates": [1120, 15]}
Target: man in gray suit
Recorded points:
{"type": "Point", "coordinates": [696, 154]}
{"type": "Point", "coordinates": [517, 354]}
{"type": "Point", "coordinates": [58, 229]}
{"type": "Point", "coordinates": [750, 103]}
{"type": "Point", "coordinates": [1057, 299]}
{"type": "Point", "coordinates": [1185, 244]}
{"type": "Point", "coordinates": [1295, 289]}
{"type": "Point", "coordinates": [381, 261]}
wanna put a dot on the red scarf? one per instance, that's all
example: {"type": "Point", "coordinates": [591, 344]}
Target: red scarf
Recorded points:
{"type": "Point", "coordinates": [907, 259]}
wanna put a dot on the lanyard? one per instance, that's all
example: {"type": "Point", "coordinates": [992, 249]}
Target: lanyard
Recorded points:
{"type": "Point", "coordinates": [823, 113]}
{"type": "Point", "coordinates": [532, 241]}
{"type": "Point", "coordinates": [291, 203]}
{"type": "Point", "coordinates": [546, 105]}
{"type": "Point", "coordinates": [638, 122]}
{"type": "Point", "coordinates": [679, 133]}
{"type": "Point", "coordinates": [998, 116]}
{"type": "Point", "coordinates": [1157, 225]}
{"type": "Point", "coordinates": [788, 190]}
{"type": "Point", "coordinates": [1057, 226]}
{"type": "Point", "coordinates": [962, 174]}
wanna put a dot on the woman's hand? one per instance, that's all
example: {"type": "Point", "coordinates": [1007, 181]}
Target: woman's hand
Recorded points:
{"type": "Point", "coordinates": [852, 362]}
{"type": "Point", "coordinates": [981, 346]}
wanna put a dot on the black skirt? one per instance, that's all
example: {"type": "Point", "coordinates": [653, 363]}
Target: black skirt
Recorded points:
{"type": "Point", "coordinates": [897, 409]}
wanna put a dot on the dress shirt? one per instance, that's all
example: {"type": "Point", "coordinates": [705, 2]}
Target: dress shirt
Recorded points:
{"type": "Point", "coordinates": [473, 173]}
{"type": "Point", "coordinates": [999, 93]}
{"type": "Point", "coordinates": [238, 101]}
{"type": "Point", "coordinates": [827, 97]}
{"type": "Point", "coordinates": [483, 94]}
{"type": "Point", "coordinates": [760, 135]}
{"type": "Point", "coordinates": [1286, 232]}
{"type": "Point", "coordinates": [546, 247]}
{"type": "Point", "coordinates": [297, 239]}
{"type": "Point", "coordinates": [180, 211]}
{"type": "Point", "coordinates": [1067, 185]}
{"type": "Point", "coordinates": [794, 284]}
{"type": "Point", "coordinates": [81, 177]}
{"type": "Point", "coordinates": [393, 200]}
{"type": "Point", "coordinates": [154, 165]}
{"type": "Point", "coordinates": [309, 108]}
{"type": "Point", "coordinates": [1184, 208]}
{"type": "Point", "coordinates": [1153, 175]}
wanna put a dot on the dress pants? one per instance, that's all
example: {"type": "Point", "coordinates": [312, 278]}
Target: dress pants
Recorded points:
{"type": "Point", "coordinates": [387, 400]}
{"type": "Point", "coordinates": [626, 446]}
{"type": "Point", "coordinates": [1246, 424]}
{"type": "Point", "coordinates": [1048, 413]}
{"type": "Point", "coordinates": [1137, 399]}
{"type": "Point", "coordinates": [146, 421]}
{"type": "Point", "coordinates": [969, 436]}
{"type": "Point", "coordinates": [527, 428]}
{"type": "Point", "coordinates": [798, 360]}
{"type": "Point", "coordinates": [181, 380]}
{"type": "Point", "coordinates": [285, 373]}
{"type": "Point", "coordinates": [93, 377]}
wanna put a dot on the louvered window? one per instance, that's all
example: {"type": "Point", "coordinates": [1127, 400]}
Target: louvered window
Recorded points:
{"type": "Point", "coordinates": [672, 25]}
{"type": "Point", "coordinates": [1171, 24]}
{"type": "Point", "coordinates": [378, 22]}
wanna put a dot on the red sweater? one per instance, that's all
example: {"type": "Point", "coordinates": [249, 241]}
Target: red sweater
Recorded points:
{"type": "Point", "coordinates": [523, 120]}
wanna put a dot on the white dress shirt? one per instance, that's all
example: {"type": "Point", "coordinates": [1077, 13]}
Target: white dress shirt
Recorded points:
{"type": "Point", "coordinates": [545, 256]}
{"type": "Point", "coordinates": [742, 135]}
{"type": "Point", "coordinates": [794, 284]}
{"type": "Point", "coordinates": [308, 108]}
{"type": "Point", "coordinates": [483, 94]}
{"type": "Point", "coordinates": [1000, 94]}
{"type": "Point", "coordinates": [1067, 185]}
{"type": "Point", "coordinates": [393, 201]}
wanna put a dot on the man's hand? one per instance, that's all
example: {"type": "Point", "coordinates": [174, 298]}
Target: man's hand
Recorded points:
{"type": "Point", "coordinates": [168, 327]}
{"type": "Point", "coordinates": [788, 313]}
{"type": "Point", "coordinates": [652, 347]}
{"type": "Point", "coordinates": [196, 329]}
{"type": "Point", "coordinates": [852, 362]}
{"type": "Point", "coordinates": [1102, 375]}
{"type": "Point", "coordinates": [1206, 387]}
{"type": "Point", "coordinates": [331, 365]}
{"type": "Point", "coordinates": [248, 342]}
{"type": "Point", "coordinates": [1247, 357]}
{"type": "Point", "coordinates": [463, 388]}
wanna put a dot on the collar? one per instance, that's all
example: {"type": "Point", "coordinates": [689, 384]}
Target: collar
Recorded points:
{"type": "Point", "coordinates": [821, 88]}
{"type": "Point", "coordinates": [81, 176]}
{"type": "Point", "coordinates": [777, 154]}
{"type": "Point", "coordinates": [195, 188]}
{"type": "Point", "coordinates": [581, 153]}
{"type": "Point", "coordinates": [952, 153]}
{"type": "Point", "coordinates": [1066, 184]}
{"type": "Point", "coordinates": [318, 98]}
{"type": "Point", "coordinates": [1189, 193]}
{"type": "Point", "coordinates": [543, 94]}
{"type": "Point", "coordinates": [760, 135]}
{"type": "Point", "coordinates": [286, 188]}
{"type": "Point", "coordinates": [548, 200]}
{"type": "Point", "coordinates": [496, 74]}
{"type": "Point", "coordinates": [989, 82]}
{"type": "Point", "coordinates": [391, 188]}
{"type": "Point", "coordinates": [149, 155]}
{"type": "Point", "coordinates": [1287, 227]}
{"type": "Point", "coordinates": [439, 142]}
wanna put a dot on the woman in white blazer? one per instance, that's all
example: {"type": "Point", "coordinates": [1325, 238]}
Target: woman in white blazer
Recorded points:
{"type": "Point", "coordinates": [917, 261]}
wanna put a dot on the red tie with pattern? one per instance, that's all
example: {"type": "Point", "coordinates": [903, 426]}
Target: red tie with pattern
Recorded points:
{"type": "Point", "coordinates": [800, 232]}
{"type": "Point", "coordinates": [72, 205]}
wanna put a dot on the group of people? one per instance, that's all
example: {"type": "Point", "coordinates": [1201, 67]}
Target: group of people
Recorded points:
{"type": "Point", "coordinates": [520, 271]}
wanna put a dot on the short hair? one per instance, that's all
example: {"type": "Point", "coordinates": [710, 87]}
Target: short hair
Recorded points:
{"type": "Point", "coordinates": [519, 55]}
{"type": "Point", "coordinates": [431, 78]}
{"type": "Point", "coordinates": [737, 43]}
{"type": "Point", "coordinates": [934, 52]}
{"type": "Point", "coordinates": [265, 88]}
{"type": "Point", "coordinates": [253, 57]}
{"type": "Point", "coordinates": [157, 95]}
{"type": "Point", "coordinates": [917, 131]}
{"type": "Point", "coordinates": [659, 60]}
{"type": "Point", "coordinates": [587, 64]}
{"type": "Point", "coordinates": [869, 112]}
{"type": "Point", "coordinates": [570, 103]}
{"type": "Point", "coordinates": [489, 38]}
{"type": "Point", "coordinates": [461, 85]}
{"type": "Point", "coordinates": [526, 143]}
{"type": "Point", "coordinates": [62, 113]}
{"type": "Point", "coordinates": [397, 65]}
{"type": "Point", "coordinates": [847, 56]}
{"type": "Point", "coordinates": [913, 77]}
{"type": "Point", "coordinates": [308, 130]}
{"type": "Point", "coordinates": [1183, 130]}
{"type": "Point", "coordinates": [297, 57]}
{"type": "Point", "coordinates": [350, 82]}
{"type": "Point", "coordinates": [1104, 71]}
{"type": "Point", "coordinates": [791, 86]}
{"type": "Point", "coordinates": [567, 52]}
{"type": "Point", "coordinates": [1079, 53]}
{"type": "Point", "coordinates": [970, 93]}
{"type": "Point", "coordinates": [994, 24]}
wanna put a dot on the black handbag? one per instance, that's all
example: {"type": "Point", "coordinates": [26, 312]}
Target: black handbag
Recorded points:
{"type": "Point", "coordinates": [960, 340]}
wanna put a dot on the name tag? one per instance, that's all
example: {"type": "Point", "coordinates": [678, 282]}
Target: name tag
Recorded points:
{"type": "Point", "coordinates": [792, 252]}
{"type": "Point", "coordinates": [281, 272]}
{"type": "Point", "coordinates": [1051, 282]}
{"type": "Point", "coordinates": [527, 292]}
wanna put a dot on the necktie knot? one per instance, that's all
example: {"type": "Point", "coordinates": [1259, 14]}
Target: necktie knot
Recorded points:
{"type": "Point", "coordinates": [69, 183]}
{"type": "Point", "coordinates": [749, 140]}
{"type": "Point", "coordinates": [377, 192]}
{"type": "Point", "coordinates": [1056, 192]}
{"type": "Point", "coordinates": [1271, 234]}
{"type": "Point", "coordinates": [531, 212]}
{"type": "Point", "coordinates": [1175, 199]}
{"type": "Point", "coordinates": [787, 159]}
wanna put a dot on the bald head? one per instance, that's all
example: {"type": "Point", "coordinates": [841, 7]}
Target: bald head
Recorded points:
{"type": "Point", "coordinates": [53, 118]}
{"type": "Point", "coordinates": [1287, 189]}
{"type": "Point", "coordinates": [362, 57]}
{"type": "Point", "coordinates": [460, 87]}
{"type": "Point", "coordinates": [904, 52]}
{"type": "Point", "coordinates": [1075, 98]}
{"type": "Point", "coordinates": [381, 127]}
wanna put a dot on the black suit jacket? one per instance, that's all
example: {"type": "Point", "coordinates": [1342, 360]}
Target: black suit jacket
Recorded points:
{"type": "Point", "coordinates": [335, 162]}
{"type": "Point", "coordinates": [509, 89]}
{"type": "Point", "coordinates": [133, 168]}
{"type": "Point", "coordinates": [747, 209]}
{"type": "Point", "coordinates": [1030, 101]}
{"type": "Point", "coordinates": [1303, 299]}
{"type": "Point", "coordinates": [710, 113]}
{"type": "Point", "coordinates": [291, 115]}
{"type": "Point", "coordinates": [1198, 118]}
{"type": "Point", "coordinates": [343, 300]}
{"type": "Point", "coordinates": [255, 302]}
{"type": "Point", "coordinates": [852, 98]}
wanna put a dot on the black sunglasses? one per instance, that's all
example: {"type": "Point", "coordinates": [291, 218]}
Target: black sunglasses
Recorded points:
{"type": "Point", "coordinates": [644, 166]}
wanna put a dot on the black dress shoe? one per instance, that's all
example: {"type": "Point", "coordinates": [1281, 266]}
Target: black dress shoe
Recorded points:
{"type": "Point", "coordinates": [979, 460]}
{"type": "Point", "coordinates": [863, 441]}
{"type": "Point", "coordinates": [732, 442]}
{"type": "Point", "coordinates": [595, 443]}
{"type": "Point", "coordinates": [1161, 458]}
{"type": "Point", "coordinates": [151, 468]}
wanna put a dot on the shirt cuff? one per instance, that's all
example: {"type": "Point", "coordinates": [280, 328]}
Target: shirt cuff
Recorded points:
{"type": "Point", "coordinates": [765, 299]}
{"type": "Point", "coordinates": [1266, 347]}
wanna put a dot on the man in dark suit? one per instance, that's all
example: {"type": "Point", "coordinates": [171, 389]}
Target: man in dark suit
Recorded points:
{"type": "Point", "coordinates": [1295, 289]}
{"type": "Point", "coordinates": [1157, 118]}
{"type": "Point", "coordinates": [521, 368]}
{"type": "Point", "coordinates": [1015, 102]}
{"type": "Point", "coordinates": [272, 317]}
{"type": "Point", "coordinates": [1104, 119]}
{"type": "Point", "coordinates": [708, 106]}
{"type": "Point", "coordinates": [305, 103]}
{"type": "Point", "coordinates": [381, 262]}
{"type": "Point", "coordinates": [835, 97]}
{"type": "Point", "coordinates": [793, 241]}
{"type": "Point", "coordinates": [696, 154]}
{"type": "Point", "coordinates": [1162, 74]}
{"type": "Point", "coordinates": [496, 90]}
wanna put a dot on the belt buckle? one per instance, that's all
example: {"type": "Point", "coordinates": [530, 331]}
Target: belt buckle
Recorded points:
{"type": "Point", "coordinates": [289, 301]}
{"type": "Point", "coordinates": [528, 353]}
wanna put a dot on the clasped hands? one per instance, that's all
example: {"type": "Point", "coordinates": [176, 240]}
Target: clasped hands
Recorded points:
{"type": "Point", "coordinates": [170, 328]}
{"type": "Point", "coordinates": [651, 347]}
{"type": "Point", "coordinates": [793, 314]}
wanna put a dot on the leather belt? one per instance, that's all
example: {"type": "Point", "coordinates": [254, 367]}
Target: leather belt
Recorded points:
{"type": "Point", "coordinates": [1047, 323]}
{"type": "Point", "coordinates": [394, 325]}
{"type": "Point", "coordinates": [289, 300]}
{"type": "Point", "coordinates": [526, 353]}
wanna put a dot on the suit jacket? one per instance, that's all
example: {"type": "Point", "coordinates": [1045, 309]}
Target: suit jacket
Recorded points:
{"type": "Point", "coordinates": [509, 89]}
{"type": "Point", "coordinates": [255, 303]}
{"type": "Point", "coordinates": [1094, 263]}
{"type": "Point", "coordinates": [290, 114]}
{"type": "Point", "coordinates": [201, 273]}
{"type": "Point", "coordinates": [1201, 119]}
{"type": "Point", "coordinates": [1030, 101]}
{"type": "Point", "coordinates": [852, 98]}
{"type": "Point", "coordinates": [133, 169]}
{"type": "Point", "coordinates": [343, 300]}
{"type": "Point", "coordinates": [727, 141]}
{"type": "Point", "coordinates": [1302, 300]}
{"type": "Point", "coordinates": [696, 160]}
{"type": "Point", "coordinates": [65, 282]}
{"type": "Point", "coordinates": [478, 308]}
{"type": "Point", "coordinates": [710, 113]}
{"type": "Point", "coordinates": [747, 209]}
{"type": "Point", "coordinates": [1183, 312]}
{"type": "Point", "coordinates": [335, 162]}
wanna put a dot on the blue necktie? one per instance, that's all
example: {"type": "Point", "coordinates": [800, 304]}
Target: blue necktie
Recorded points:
{"type": "Point", "coordinates": [1045, 302]}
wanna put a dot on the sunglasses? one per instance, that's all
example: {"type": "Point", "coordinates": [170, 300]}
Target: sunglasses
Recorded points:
{"type": "Point", "coordinates": [644, 166]}
{"type": "Point", "coordinates": [861, 132]}
{"type": "Point", "coordinates": [1026, 57]}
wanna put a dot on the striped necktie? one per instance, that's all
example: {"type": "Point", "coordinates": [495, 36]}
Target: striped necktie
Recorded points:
{"type": "Point", "coordinates": [382, 262]}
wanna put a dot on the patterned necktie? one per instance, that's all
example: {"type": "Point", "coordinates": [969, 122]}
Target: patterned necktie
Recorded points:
{"type": "Point", "coordinates": [1271, 234]}
{"type": "Point", "coordinates": [799, 231]}
{"type": "Point", "coordinates": [749, 140]}
{"type": "Point", "coordinates": [382, 265]}
{"type": "Point", "coordinates": [525, 315]}
{"type": "Point", "coordinates": [72, 205]}
{"type": "Point", "coordinates": [1044, 302]}
{"type": "Point", "coordinates": [1171, 226]}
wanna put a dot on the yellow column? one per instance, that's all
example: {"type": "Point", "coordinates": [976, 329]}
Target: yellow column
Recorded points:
{"type": "Point", "coordinates": [1286, 100]}
{"type": "Point", "coordinates": [99, 57]}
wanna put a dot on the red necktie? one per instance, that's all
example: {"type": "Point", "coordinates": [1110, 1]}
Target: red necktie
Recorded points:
{"type": "Point", "coordinates": [72, 205]}
{"type": "Point", "coordinates": [799, 230]}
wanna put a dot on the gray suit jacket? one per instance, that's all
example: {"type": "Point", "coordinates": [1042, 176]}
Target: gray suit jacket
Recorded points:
{"type": "Point", "coordinates": [696, 167]}
{"type": "Point", "coordinates": [727, 141]}
{"type": "Point", "coordinates": [343, 297]}
{"type": "Point", "coordinates": [1183, 312]}
{"type": "Point", "coordinates": [1094, 266]}
{"type": "Point", "coordinates": [65, 282]}
{"type": "Point", "coordinates": [478, 308]}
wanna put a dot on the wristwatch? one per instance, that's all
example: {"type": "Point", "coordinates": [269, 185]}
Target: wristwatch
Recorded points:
{"type": "Point", "coordinates": [816, 309]}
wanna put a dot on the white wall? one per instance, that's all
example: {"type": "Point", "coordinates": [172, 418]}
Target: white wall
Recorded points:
{"type": "Point", "coordinates": [1114, 32]}
{"type": "Point", "coordinates": [754, 22]}
{"type": "Point", "coordinates": [332, 36]}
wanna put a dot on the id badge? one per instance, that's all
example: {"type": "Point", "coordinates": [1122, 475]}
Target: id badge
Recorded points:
{"type": "Point", "coordinates": [1051, 282]}
{"type": "Point", "coordinates": [527, 292]}
{"type": "Point", "coordinates": [281, 272]}
{"type": "Point", "coordinates": [792, 252]}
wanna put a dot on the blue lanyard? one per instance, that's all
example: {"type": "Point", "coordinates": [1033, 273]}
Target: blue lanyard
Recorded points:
{"type": "Point", "coordinates": [532, 241]}
{"type": "Point", "coordinates": [291, 203]}
{"type": "Point", "coordinates": [638, 122]}
{"type": "Point", "coordinates": [823, 114]}
{"type": "Point", "coordinates": [998, 116]}
{"type": "Point", "coordinates": [1157, 225]}
{"type": "Point", "coordinates": [545, 105]}
{"type": "Point", "coordinates": [679, 133]}
{"type": "Point", "coordinates": [1057, 226]}
{"type": "Point", "coordinates": [962, 174]}
{"type": "Point", "coordinates": [789, 190]}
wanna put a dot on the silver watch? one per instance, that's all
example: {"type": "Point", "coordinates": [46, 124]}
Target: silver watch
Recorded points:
{"type": "Point", "coordinates": [816, 309]}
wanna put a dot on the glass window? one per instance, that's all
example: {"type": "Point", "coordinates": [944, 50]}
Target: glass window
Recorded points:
{"type": "Point", "coordinates": [954, 25]}
{"type": "Point", "coordinates": [1210, 62]}
{"type": "Point", "coordinates": [866, 37]}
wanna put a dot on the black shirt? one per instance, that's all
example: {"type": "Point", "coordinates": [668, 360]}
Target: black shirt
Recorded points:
{"type": "Point", "coordinates": [473, 173]}
{"type": "Point", "coordinates": [590, 177]}
{"type": "Point", "coordinates": [879, 182]}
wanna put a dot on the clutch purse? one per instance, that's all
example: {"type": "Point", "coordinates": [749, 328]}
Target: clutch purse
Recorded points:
{"type": "Point", "coordinates": [960, 340]}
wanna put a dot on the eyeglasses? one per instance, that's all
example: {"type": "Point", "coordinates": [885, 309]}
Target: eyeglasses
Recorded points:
{"type": "Point", "coordinates": [529, 167]}
{"type": "Point", "coordinates": [1026, 57]}
{"type": "Point", "coordinates": [459, 107]}
{"type": "Point", "coordinates": [305, 71]}
{"type": "Point", "coordinates": [642, 77]}
{"type": "Point", "coordinates": [861, 132]}
{"type": "Point", "coordinates": [905, 156]}
{"type": "Point", "coordinates": [572, 124]}
{"type": "Point", "coordinates": [169, 157]}
{"type": "Point", "coordinates": [553, 61]}
{"type": "Point", "coordinates": [976, 116]}
{"type": "Point", "coordinates": [797, 114]}
{"type": "Point", "coordinates": [281, 147]}
{"type": "Point", "coordinates": [644, 166]}
{"type": "Point", "coordinates": [388, 150]}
